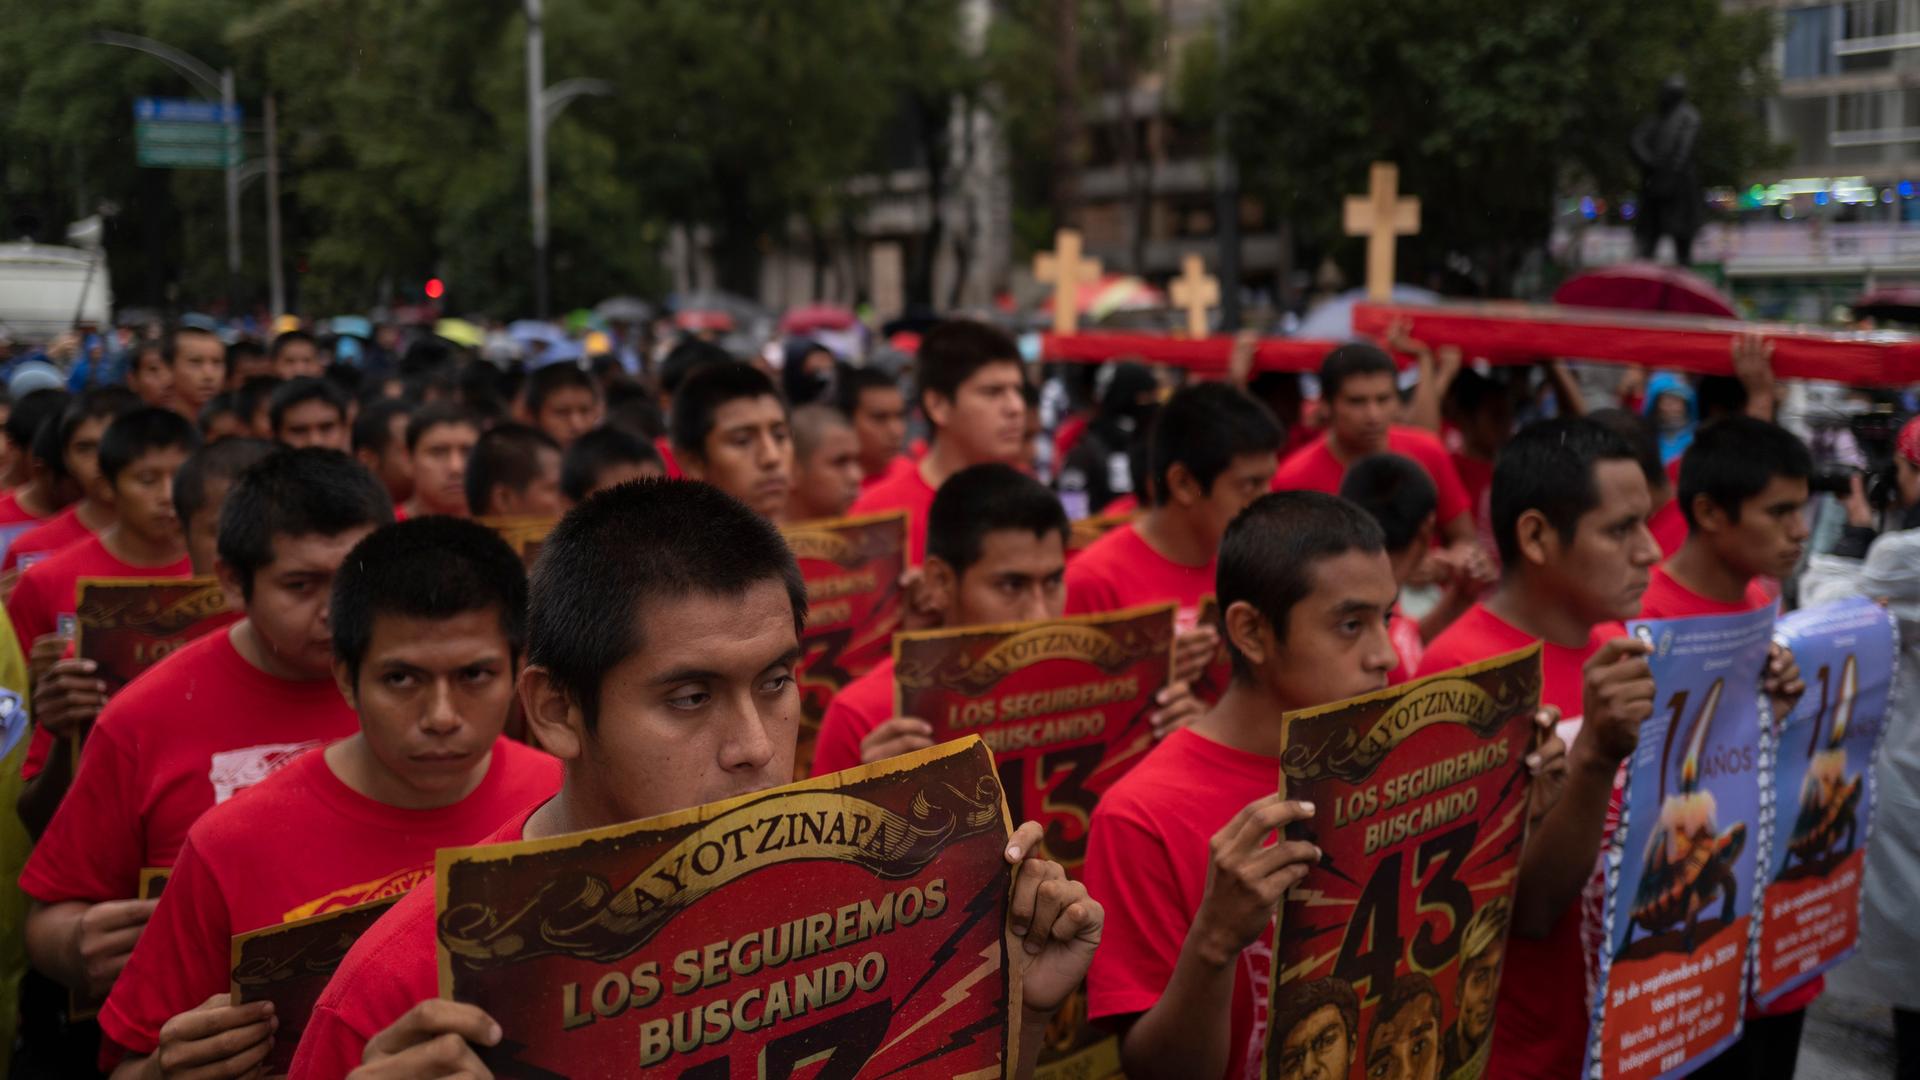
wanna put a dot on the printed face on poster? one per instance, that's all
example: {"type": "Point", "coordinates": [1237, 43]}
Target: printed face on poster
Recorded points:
{"type": "Point", "coordinates": [1387, 957]}
{"type": "Point", "coordinates": [1681, 866]}
{"type": "Point", "coordinates": [857, 918]}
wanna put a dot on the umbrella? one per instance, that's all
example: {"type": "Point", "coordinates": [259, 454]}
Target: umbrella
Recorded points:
{"type": "Point", "coordinates": [1900, 303]}
{"type": "Point", "coordinates": [1332, 318]}
{"type": "Point", "coordinates": [460, 332]}
{"type": "Point", "coordinates": [1645, 287]}
{"type": "Point", "coordinates": [812, 318]}
{"type": "Point", "coordinates": [697, 320]}
{"type": "Point", "coordinates": [624, 309]}
{"type": "Point", "coordinates": [1114, 292]}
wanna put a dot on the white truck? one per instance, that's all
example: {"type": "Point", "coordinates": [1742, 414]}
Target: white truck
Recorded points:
{"type": "Point", "coordinates": [44, 287]}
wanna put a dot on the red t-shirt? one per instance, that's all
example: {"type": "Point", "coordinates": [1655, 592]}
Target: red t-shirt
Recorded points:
{"type": "Point", "coordinates": [903, 489]}
{"type": "Point", "coordinates": [301, 843]}
{"type": "Point", "coordinates": [1147, 864]}
{"type": "Point", "coordinates": [1668, 599]}
{"type": "Point", "coordinates": [1669, 528]}
{"type": "Point", "coordinates": [859, 707]}
{"type": "Point", "coordinates": [48, 590]}
{"type": "Point", "coordinates": [14, 520]}
{"type": "Point", "coordinates": [185, 736]}
{"type": "Point", "coordinates": [1476, 477]}
{"type": "Point", "coordinates": [57, 532]}
{"type": "Point", "coordinates": [1120, 570]}
{"type": "Point", "coordinates": [1316, 469]}
{"type": "Point", "coordinates": [1407, 644]}
{"type": "Point", "coordinates": [900, 461]}
{"type": "Point", "coordinates": [672, 464]}
{"type": "Point", "coordinates": [1540, 1020]}
{"type": "Point", "coordinates": [389, 970]}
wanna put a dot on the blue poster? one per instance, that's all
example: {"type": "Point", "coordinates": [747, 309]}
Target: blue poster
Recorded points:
{"type": "Point", "coordinates": [1823, 784]}
{"type": "Point", "coordinates": [1682, 863]}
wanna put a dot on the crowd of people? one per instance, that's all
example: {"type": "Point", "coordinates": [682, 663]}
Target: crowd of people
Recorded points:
{"type": "Point", "coordinates": [392, 683]}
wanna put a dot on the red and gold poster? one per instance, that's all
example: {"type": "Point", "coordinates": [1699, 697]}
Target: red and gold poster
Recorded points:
{"type": "Point", "coordinates": [852, 567]}
{"type": "Point", "coordinates": [1387, 957]}
{"type": "Point", "coordinates": [153, 881]}
{"type": "Point", "coordinates": [127, 625]}
{"type": "Point", "coordinates": [848, 925]}
{"type": "Point", "coordinates": [1066, 705]}
{"type": "Point", "coordinates": [525, 535]}
{"type": "Point", "coordinates": [290, 963]}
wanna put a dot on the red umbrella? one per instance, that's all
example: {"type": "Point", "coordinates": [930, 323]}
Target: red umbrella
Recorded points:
{"type": "Point", "coordinates": [1901, 303]}
{"type": "Point", "coordinates": [813, 317]}
{"type": "Point", "coordinates": [1645, 287]}
{"type": "Point", "coordinates": [701, 320]}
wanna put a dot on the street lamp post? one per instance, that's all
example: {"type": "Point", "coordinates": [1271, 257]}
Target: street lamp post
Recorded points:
{"type": "Point", "coordinates": [544, 104]}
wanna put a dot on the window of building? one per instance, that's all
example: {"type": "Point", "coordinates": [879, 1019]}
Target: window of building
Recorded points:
{"type": "Point", "coordinates": [1809, 43]}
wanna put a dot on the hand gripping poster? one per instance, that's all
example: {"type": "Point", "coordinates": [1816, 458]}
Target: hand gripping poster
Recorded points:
{"type": "Point", "coordinates": [1067, 705]}
{"type": "Point", "coordinates": [852, 567]}
{"type": "Point", "coordinates": [289, 964]}
{"type": "Point", "coordinates": [127, 625]}
{"type": "Point", "coordinates": [848, 925]}
{"type": "Point", "coordinates": [1823, 791]}
{"type": "Point", "coordinates": [1387, 956]}
{"type": "Point", "coordinates": [1681, 864]}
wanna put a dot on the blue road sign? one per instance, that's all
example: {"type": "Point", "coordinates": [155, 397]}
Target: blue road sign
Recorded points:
{"type": "Point", "coordinates": [185, 111]}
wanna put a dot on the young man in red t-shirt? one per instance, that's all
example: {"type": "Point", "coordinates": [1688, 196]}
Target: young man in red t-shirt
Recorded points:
{"type": "Point", "coordinates": [826, 464]}
{"type": "Point", "coordinates": [38, 497]}
{"type": "Point", "coordinates": [1212, 452]}
{"type": "Point", "coordinates": [200, 489]}
{"type": "Point", "coordinates": [661, 671]}
{"type": "Point", "coordinates": [213, 718]}
{"type": "Point", "coordinates": [1178, 847]}
{"type": "Point", "coordinates": [1570, 517]}
{"type": "Point", "coordinates": [514, 471]}
{"type": "Point", "coordinates": [440, 441]}
{"type": "Point", "coordinates": [969, 378]}
{"type": "Point", "coordinates": [563, 401]}
{"type": "Point", "coordinates": [606, 457]}
{"type": "Point", "coordinates": [1362, 402]}
{"type": "Point", "coordinates": [730, 429]}
{"type": "Point", "coordinates": [72, 448]}
{"type": "Point", "coordinates": [871, 400]}
{"type": "Point", "coordinates": [138, 458]}
{"type": "Point", "coordinates": [1667, 523]}
{"type": "Point", "coordinates": [429, 625]}
{"type": "Point", "coordinates": [1395, 491]}
{"type": "Point", "coordinates": [310, 412]}
{"type": "Point", "coordinates": [380, 443]}
{"type": "Point", "coordinates": [1743, 490]}
{"type": "Point", "coordinates": [199, 363]}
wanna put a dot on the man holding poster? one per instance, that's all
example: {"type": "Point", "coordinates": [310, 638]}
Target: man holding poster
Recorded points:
{"type": "Point", "coordinates": [661, 672]}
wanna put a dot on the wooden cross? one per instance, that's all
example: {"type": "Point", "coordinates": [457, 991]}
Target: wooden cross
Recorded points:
{"type": "Point", "coordinates": [1198, 292]}
{"type": "Point", "coordinates": [1065, 270]}
{"type": "Point", "coordinates": [1382, 215]}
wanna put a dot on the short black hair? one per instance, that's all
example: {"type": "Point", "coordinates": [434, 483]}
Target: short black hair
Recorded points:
{"type": "Point", "coordinates": [1548, 466]}
{"type": "Point", "coordinates": [855, 381]}
{"type": "Point", "coordinates": [428, 417]}
{"type": "Point", "coordinates": [1734, 458]}
{"type": "Point", "coordinates": [33, 412]}
{"type": "Point", "coordinates": [1268, 554]}
{"type": "Point", "coordinates": [550, 380]}
{"type": "Point", "coordinates": [1637, 429]}
{"type": "Point", "coordinates": [301, 390]}
{"type": "Point", "coordinates": [107, 403]}
{"type": "Point", "coordinates": [141, 432]}
{"type": "Point", "coordinates": [702, 395]}
{"type": "Point", "coordinates": [631, 407]}
{"type": "Point", "coordinates": [983, 499]}
{"type": "Point", "coordinates": [954, 350]}
{"type": "Point", "coordinates": [1354, 359]}
{"type": "Point", "coordinates": [241, 349]}
{"type": "Point", "coordinates": [220, 404]}
{"type": "Point", "coordinates": [619, 553]}
{"type": "Point", "coordinates": [178, 331]}
{"type": "Point", "coordinates": [373, 428]}
{"type": "Point", "coordinates": [252, 393]}
{"type": "Point", "coordinates": [509, 455]}
{"type": "Point", "coordinates": [223, 460]}
{"type": "Point", "coordinates": [597, 451]}
{"type": "Point", "coordinates": [306, 491]}
{"type": "Point", "coordinates": [427, 568]}
{"type": "Point", "coordinates": [1205, 426]}
{"type": "Point", "coordinates": [1396, 491]}
{"type": "Point", "coordinates": [1298, 1000]}
{"type": "Point", "coordinates": [688, 357]}
{"type": "Point", "coordinates": [281, 341]}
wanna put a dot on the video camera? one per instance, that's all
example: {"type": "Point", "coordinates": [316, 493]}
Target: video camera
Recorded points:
{"type": "Point", "coordinates": [1876, 432]}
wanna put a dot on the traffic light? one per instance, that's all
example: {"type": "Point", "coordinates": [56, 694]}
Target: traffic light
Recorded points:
{"type": "Point", "coordinates": [436, 288]}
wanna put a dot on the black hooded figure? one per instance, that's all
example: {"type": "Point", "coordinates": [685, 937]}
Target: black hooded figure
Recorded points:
{"type": "Point", "coordinates": [1126, 396]}
{"type": "Point", "coordinates": [1669, 190]}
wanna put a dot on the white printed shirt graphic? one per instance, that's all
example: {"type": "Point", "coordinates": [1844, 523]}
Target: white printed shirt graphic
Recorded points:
{"type": "Point", "coordinates": [234, 771]}
{"type": "Point", "coordinates": [1257, 958]}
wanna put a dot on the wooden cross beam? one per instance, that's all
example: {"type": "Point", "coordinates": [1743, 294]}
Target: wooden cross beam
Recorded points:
{"type": "Point", "coordinates": [1382, 215]}
{"type": "Point", "coordinates": [1065, 270]}
{"type": "Point", "coordinates": [1198, 292]}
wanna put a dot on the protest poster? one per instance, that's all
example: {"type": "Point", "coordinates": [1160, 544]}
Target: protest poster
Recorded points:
{"type": "Point", "coordinates": [1066, 705]}
{"type": "Point", "coordinates": [852, 568]}
{"type": "Point", "coordinates": [153, 881]}
{"type": "Point", "coordinates": [289, 964]}
{"type": "Point", "coordinates": [856, 919]}
{"type": "Point", "coordinates": [525, 535]}
{"type": "Point", "coordinates": [1681, 864]}
{"type": "Point", "coordinates": [1387, 956]}
{"type": "Point", "coordinates": [127, 625]}
{"type": "Point", "coordinates": [1823, 791]}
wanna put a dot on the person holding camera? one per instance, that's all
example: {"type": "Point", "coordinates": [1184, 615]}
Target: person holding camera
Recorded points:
{"type": "Point", "coordinates": [1886, 567]}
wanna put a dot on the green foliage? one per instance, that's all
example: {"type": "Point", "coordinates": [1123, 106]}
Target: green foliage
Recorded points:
{"type": "Point", "coordinates": [1490, 108]}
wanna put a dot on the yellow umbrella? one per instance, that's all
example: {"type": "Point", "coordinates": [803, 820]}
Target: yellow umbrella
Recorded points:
{"type": "Point", "coordinates": [460, 332]}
